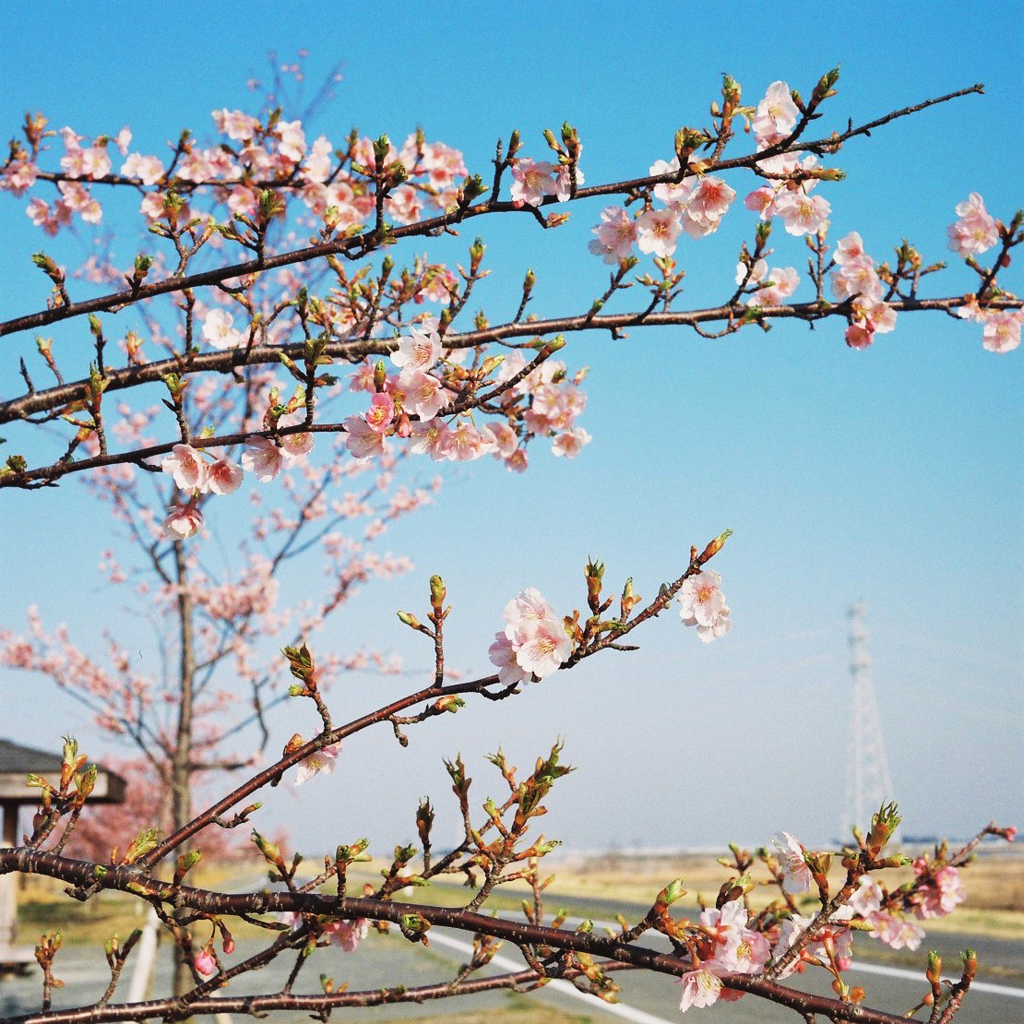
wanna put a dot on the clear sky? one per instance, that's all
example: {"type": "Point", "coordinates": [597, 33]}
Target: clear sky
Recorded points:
{"type": "Point", "coordinates": [892, 475]}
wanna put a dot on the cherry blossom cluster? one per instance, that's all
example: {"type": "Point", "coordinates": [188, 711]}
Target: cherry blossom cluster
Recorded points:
{"type": "Point", "coordinates": [938, 892]}
{"type": "Point", "coordinates": [421, 175]}
{"type": "Point", "coordinates": [727, 946]}
{"type": "Point", "coordinates": [696, 207]}
{"type": "Point", "coordinates": [534, 180]}
{"type": "Point", "coordinates": [702, 604]}
{"type": "Point", "coordinates": [423, 390]}
{"type": "Point", "coordinates": [345, 934]}
{"type": "Point", "coordinates": [974, 233]}
{"type": "Point", "coordinates": [855, 278]}
{"type": "Point", "coordinates": [697, 202]}
{"type": "Point", "coordinates": [533, 644]}
{"type": "Point", "coordinates": [194, 471]}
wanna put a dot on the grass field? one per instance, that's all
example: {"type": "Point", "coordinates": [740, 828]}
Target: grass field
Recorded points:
{"type": "Point", "coordinates": [994, 882]}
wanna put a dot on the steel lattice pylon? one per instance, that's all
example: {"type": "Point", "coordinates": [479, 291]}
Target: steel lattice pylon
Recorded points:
{"type": "Point", "coordinates": [868, 784]}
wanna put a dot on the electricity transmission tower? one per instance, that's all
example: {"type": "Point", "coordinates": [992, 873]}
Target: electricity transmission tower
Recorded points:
{"type": "Point", "coordinates": [868, 784]}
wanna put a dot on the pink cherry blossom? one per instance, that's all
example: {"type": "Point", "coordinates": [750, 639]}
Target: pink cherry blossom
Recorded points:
{"type": "Point", "coordinates": [504, 437]}
{"type": "Point", "coordinates": [796, 873]}
{"type": "Point", "coordinates": [361, 440]}
{"type": "Point", "coordinates": [223, 476]}
{"type": "Point", "coordinates": [850, 250]}
{"type": "Point", "coordinates": [466, 443]}
{"type": "Point", "coordinates": [292, 144]}
{"type": "Point", "coordinates": [563, 182]}
{"type": "Point", "coordinates": [708, 203]}
{"type": "Point", "coordinates": [430, 438]}
{"type": "Point", "coordinates": [702, 604]}
{"type": "Point", "coordinates": [381, 412]}
{"type": "Point", "coordinates": [657, 231]}
{"type": "Point", "coordinates": [941, 895]}
{"type": "Point", "coordinates": [570, 443]}
{"type": "Point", "coordinates": [235, 124]}
{"type": "Point", "coordinates": [758, 272]}
{"type": "Point", "coordinates": [529, 606]}
{"type": "Point", "coordinates": [780, 285]}
{"type": "Point", "coordinates": [762, 200]}
{"type": "Point", "coordinates": [424, 394]}
{"type": "Point", "coordinates": [79, 199]}
{"type": "Point", "coordinates": [262, 457]}
{"type": "Point", "coordinates": [867, 897]}
{"type": "Point", "coordinates": [802, 214]}
{"type": "Point", "coordinates": [615, 235]}
{"type": "Point", "coordinates": [776, 114]}
{"type": "Point", "coordinates": [187, 467]}
{"type": "Point", "coordinates": [148, 169]}
{"type": "Point", "coordinates": [1001, 331]}
{"type": "Point", "coordinates": [347, 934]}
{"type": "Point", "coordinates": [535, 638]}
{"type": "Point", "coordinates": [674, 194]}
{"type": "Point", "coordinates": [701, 988]}
{"type": "Point", "coordinates": [976, 231]}
{"type": "Point", "coordinates": [218, 331]}
{"type": "Point", "coordinates": [183, 521]}
{"type": "Point", "coordinates": [204, 962]}
{"type": "Point", "coordinates": [542, 646]}
{"type": "Point", "coordinates": [295, 446]}
{"type": "Point", "coordinates": [533, 181]}
{"type": "Point", "coordinates": [419, 350]}
{"type": "Point", "coordinates": [319, 761]}
{"type": "Point", "coordinates": [895, 932]}
{"type": "Point", "coordinates": [859, 335]}
{"type": "Point", "coordinates": [502, 653]}
{"type": "Point", "coordinates": [18, 176]}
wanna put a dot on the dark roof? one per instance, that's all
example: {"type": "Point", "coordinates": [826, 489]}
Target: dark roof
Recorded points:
{"type": "Point", "coordinates": [17, 761]}
{"type": "Point", "coordinates": [14, 758]}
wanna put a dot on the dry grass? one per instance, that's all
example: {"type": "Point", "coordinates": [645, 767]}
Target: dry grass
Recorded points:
{"type": "Point", "coordinates": [994, 905]}
{"type": "Point", "coordinates": [994, 883]}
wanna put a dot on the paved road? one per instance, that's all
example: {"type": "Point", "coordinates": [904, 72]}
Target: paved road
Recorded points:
{"type": "Point", "coordinates": [894, 984]}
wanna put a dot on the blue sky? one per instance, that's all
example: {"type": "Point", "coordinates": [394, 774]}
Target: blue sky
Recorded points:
{"type": "Point", "coordinates": [892, 475]}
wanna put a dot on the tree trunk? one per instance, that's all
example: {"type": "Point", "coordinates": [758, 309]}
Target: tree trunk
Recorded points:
{"type": "Point", "coordinates": [181, 772]}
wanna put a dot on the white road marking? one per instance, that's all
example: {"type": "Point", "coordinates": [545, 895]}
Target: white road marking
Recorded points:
{"type": "Point", "coordinates": [902, 972]}
{"type": "Point", "coordinates": [558, 985]}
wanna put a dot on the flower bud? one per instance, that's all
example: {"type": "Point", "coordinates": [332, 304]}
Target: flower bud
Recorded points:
{"type": "Point", "coordinates": [671, 893]}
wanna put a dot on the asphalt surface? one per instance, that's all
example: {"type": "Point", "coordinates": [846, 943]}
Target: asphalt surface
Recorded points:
{"type": "Point", "coordinates": [389, 960]}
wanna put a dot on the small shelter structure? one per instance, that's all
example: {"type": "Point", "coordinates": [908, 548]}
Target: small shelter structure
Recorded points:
{"type": "Point", "coordinates": [15, 763]}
